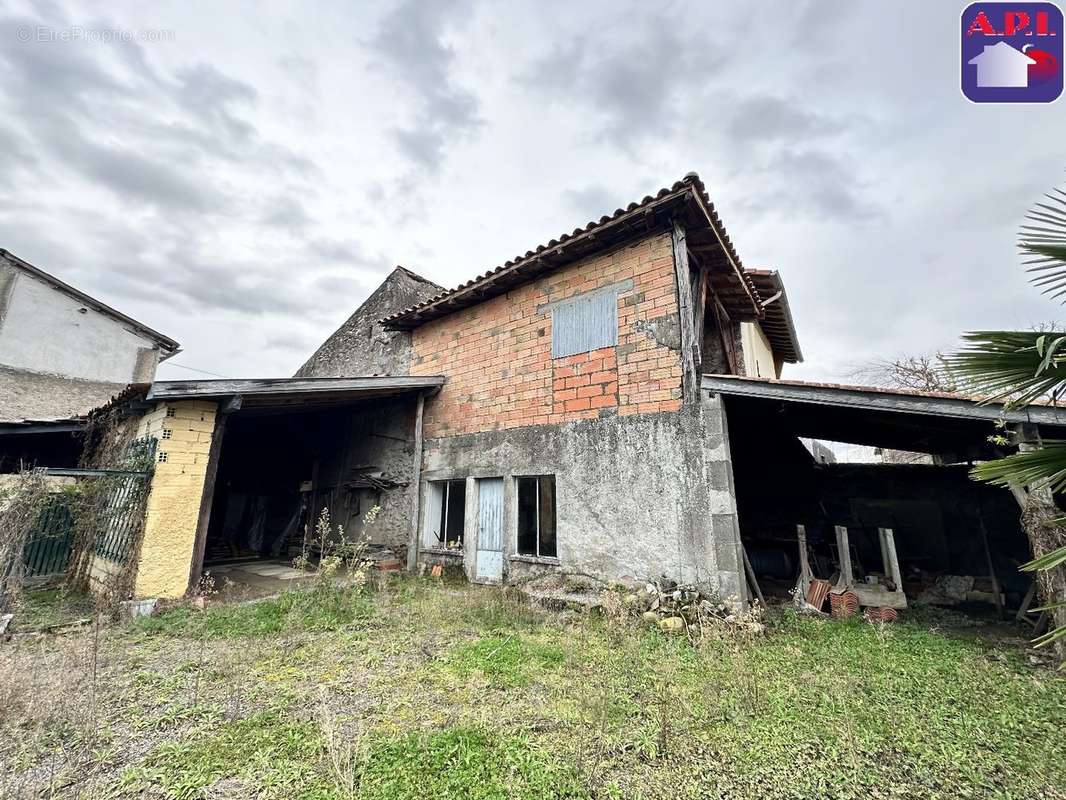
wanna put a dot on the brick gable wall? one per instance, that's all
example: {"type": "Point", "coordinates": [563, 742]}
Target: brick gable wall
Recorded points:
{"type": "Point", "coordinates": [498, 361]}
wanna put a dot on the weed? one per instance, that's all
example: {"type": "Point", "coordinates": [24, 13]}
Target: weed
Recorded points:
{"type": "Point", "coordinates": [328, 609]}
{"type": "Point", "coordinates": [511, 660]}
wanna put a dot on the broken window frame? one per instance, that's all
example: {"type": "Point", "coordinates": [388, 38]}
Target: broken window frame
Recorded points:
{"type": "Point", "coordinates": [445, 530]}
{"type": "Point", "coordinates": [537, 550]}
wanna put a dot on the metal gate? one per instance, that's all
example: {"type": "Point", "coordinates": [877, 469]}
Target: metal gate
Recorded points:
{"type": "Point", "coordinates": [113, 506]}
{"type": "Point", "coordinates": [48, 548]}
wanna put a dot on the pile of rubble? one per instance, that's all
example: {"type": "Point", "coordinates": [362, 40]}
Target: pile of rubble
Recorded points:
{"type": "Point", "coordinates": [672, 607]}
{"type": "Point", "coordinates": [680, 608]}
{"type": "Point", "coordinates": [557, 591]}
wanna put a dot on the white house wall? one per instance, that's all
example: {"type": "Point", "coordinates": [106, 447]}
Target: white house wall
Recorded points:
{"type": "Point", "coordinates": [44, 330]}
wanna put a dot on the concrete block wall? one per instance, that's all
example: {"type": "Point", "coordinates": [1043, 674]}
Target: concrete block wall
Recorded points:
{"type": "Point", "coordinates": [642, 496]}
{"type": "Point", "coordinates": [183, 430]}
{"type": "Point", "coordinates": [497, 355]}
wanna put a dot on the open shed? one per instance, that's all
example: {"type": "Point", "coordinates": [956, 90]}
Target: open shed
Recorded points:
{"type": "Point", "coordinates": [272, 454]}
{"type": "Point", "coordinates": [943, 522]}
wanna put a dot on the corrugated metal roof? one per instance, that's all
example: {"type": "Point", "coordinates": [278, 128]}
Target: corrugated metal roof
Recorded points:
{"type": "Point", "coordinates": [706, 237]}
{"type": "Point", "coordinates": [879, 398]}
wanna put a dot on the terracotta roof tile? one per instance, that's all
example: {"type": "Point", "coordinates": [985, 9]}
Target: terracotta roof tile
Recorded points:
{"type": "Point", "coordinates": [489, 283]}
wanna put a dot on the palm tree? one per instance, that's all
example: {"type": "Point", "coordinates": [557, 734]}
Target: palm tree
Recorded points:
{"type": "Point", "coordinates": [1019, 368]}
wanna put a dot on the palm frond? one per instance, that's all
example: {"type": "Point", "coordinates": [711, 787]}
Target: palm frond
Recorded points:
{"type": "Point", "coordinates": [1043, 467]}
{"type": "Point", "coordinates": [1015, 367]}
{"type": "Point", "coordinates": [1043, 240]}
{"type": "Point", "coordinates": [1047, 561]}
{"type": "Point", "coordinates": [1049, 637]}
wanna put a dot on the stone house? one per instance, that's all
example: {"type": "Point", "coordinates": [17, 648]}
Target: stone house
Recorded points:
{"type": "Point", "coordinates": [608, 403]}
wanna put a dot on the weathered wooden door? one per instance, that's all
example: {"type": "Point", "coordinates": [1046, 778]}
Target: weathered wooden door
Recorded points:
{"type": "Point", "coordinates": [489, 562]}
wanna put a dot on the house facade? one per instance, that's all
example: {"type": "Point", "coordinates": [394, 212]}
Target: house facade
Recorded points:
{"type": "Point", "coordinates": [571, 432]}
{"type": "Point", "coordinates": [609, 403]}
{"type": "Point", "coordinates": [545, 416]}
{"type": "Point", "coordinates": [62, 354]}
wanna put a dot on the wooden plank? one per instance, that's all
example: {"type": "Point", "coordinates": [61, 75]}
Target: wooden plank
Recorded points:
{"type": "Point", "coordinates": [686, 313]}
{"type": "Point", "coordinates": [879, 596]}
{"type": "Point", "coordinates": [892, 563]}
{"type": "Point", "coordinates": [751, 575]}
{"type": "Point", "coordinates": [847, 580]}
{"type": "Point", "coordinates": [806, 573]}
{"type": "Point", "coordinates": [996, 588]}
{"type": "Point", "coordinates": [416, 481]}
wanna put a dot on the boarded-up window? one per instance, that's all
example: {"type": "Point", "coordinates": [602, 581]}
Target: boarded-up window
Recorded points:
{"type": "Point", "coordinates": [446, 513]}
{"type": "Point", "coordinates": [587, 322]}
{"type": "Point", "coordinates": [536, 516]}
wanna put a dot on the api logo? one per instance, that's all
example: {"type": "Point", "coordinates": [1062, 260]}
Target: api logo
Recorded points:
{"type": "Point", "coordinates": [1012, 52]}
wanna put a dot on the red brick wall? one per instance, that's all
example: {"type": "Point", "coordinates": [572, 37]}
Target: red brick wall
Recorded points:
{"type": "Point", "coordinates": [497, 355]}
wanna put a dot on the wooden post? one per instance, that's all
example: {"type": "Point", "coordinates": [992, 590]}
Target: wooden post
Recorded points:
{"type": "Point", "coordinates": [806, 573]}
{"type": "Point", "coordinates": [847, 580]}
{"type": "Point", "coordinates": [888, 547]}
{"type": "Point", "coordinates": [686, 314]}
{"type": "Point", "coordinates": [996, 589]}
{"type": "Point", "coordinates": [416, 482]}
{"type": "Point", "coordinates": [751, 574]}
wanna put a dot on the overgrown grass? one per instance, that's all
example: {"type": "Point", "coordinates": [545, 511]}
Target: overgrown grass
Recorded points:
{"type": "Point", "coordinates": [511, 660]}
{"type": "Point", "coordinates": [424, 690]}
{"type": "Point", "coordinates": [44, 608]}
{"type": "Point", "coordinates": [293, 611]}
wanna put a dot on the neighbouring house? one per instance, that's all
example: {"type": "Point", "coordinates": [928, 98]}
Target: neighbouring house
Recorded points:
{"type": "Point", "coordinates": [62, 354]}
{"type": "Point", "coordinates": [607, 403]}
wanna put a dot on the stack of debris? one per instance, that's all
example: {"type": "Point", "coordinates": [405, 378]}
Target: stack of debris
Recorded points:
{"type": "Point", "coordinates": [382, 558]}
{"type": "Point", "coordinates": [676, 608]}
{"type": "Point", "coordinates": [557, 591]}
{"type": "Point", "coordinates": [951, 590]}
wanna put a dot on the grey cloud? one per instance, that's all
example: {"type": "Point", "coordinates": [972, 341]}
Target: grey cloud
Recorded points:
{"type": "Point", "coordinates": [640, 87]}
{"type": "Point", "coordinates": [764, 117]}
{"type": "Point", "coordinates": [591, 201]}
{"type": "Point", "coordinates": [411, 43]}
{"type": "Point", "coordinates": [210, 96]}
{"type": "Point", "coordinates": [808, 182]}
{"type": "Point", "coordinates": [287, 213]}
{"type": "Point", "coordinates": [338, 250]}
{"type": "Point", "coordinates": [341, 286]}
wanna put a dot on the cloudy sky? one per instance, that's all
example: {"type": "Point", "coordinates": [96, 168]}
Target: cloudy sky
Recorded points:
{"type": "Point", "coordinates": [241, 175]}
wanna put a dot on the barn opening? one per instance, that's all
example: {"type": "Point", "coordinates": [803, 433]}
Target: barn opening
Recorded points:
{"type": "Point", "coordinates": [286, 449]}
{"type": "Point", "coordinates": [959, 542]}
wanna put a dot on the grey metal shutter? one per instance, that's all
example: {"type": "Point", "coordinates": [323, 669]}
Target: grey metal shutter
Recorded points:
{"type": "Point", "coordinates": [585, 323]}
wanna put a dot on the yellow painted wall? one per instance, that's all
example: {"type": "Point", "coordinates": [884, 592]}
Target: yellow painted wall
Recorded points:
{"type": "Point", "coordinates": [174, 500]}
{"type": "Point", "coordinates": [758, 355]}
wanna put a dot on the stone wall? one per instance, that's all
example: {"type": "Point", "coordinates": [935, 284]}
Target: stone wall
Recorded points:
{"type": "Point", "coordinates": [361, 346]}
{"type": "Point", "coordinates": [643, 496]}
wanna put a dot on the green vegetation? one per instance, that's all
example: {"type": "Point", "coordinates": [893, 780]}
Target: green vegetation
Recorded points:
{"type": "Point", "coordinates": [509, 660]}
{"type": "Point", "coordinates": [311, 611]}
{"type": "Point", "coordinates": [423, 690]}
{"type": "Point", "coordinates": [48, 608]}
{"type": "Point", "coordinates": [1019, 368]}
